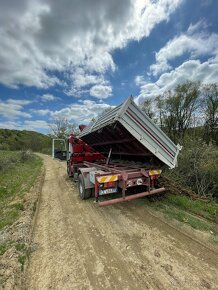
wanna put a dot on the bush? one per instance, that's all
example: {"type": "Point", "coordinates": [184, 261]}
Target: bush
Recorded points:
{"type": "Point", "coordinates": [8, 161]}
{"type": "Point", "coordinates": [26, 155]}
{"type": "Point", "coordinates": [198, 167]}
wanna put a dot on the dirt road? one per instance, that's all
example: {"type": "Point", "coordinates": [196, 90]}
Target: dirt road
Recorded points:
{"type": "Point", "coordinates": [81, 246]}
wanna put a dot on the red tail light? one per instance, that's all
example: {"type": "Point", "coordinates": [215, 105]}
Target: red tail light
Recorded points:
{"type": "Point", "coordinates": [109, 184]}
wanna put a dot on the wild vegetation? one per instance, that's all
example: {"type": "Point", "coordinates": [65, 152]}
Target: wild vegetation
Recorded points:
{"type": "Point", "coordinates": [61, 128]}
{"type": "Point", "coordinates": [198, 214]}
{"type": "Point", "coordinates": [18, 172]}
{"type": "Point", "coordinates": [24, 140]}
{"type": "Point", "coordinates": [189, 116]}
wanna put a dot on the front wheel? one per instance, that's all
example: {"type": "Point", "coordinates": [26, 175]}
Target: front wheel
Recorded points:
{"type": "Point", "coordinates": [84, 193]}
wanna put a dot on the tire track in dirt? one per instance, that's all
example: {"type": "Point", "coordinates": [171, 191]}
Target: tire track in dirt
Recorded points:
{"type": "Point", "coordinates": [82, 246]}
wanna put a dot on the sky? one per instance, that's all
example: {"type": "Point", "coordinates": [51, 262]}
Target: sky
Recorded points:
{"type": "Point", "coordinates": [76, 58]}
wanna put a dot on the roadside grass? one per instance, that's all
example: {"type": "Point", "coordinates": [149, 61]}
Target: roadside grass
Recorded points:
{"type": "Point", "coordinates": [198, 214]}
{"type": "Point", "coordinates": [18, 172]}
{"type": "Point", "coordinates": [23, 254]}
{"type": "Point", "coordinates": [4, 246]}
{"type": "Point", "coordinates": [205, 209]}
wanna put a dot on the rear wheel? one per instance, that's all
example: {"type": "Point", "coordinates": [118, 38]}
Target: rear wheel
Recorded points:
{"type": "Point", "coordinates": [84, 193]}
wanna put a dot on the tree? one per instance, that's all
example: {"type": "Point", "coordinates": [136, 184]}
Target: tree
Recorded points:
{"type": "Point", "coordinates": [161, 106]}
{"type": "Point", "coordinates": [147, 107]}
{"type": "Point", "coordinates": [210, 104]}
{"type": "Point", "coordinates": [180, 105]}
{"type": "Point", "coordinates": [62, 128]}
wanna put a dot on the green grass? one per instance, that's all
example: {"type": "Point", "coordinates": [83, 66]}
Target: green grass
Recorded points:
{"type": "Point", "coordinates": [181, 208]}
{"type": "Point", "coordinates": [206, 209]}
{"type": "Point", "coordinates": [23, 254]}
{"type": "Point", "coordinates": [20, 247]}
{"type": "Point", "coordinates": [21, 260]}
{"type": "Point", "coordinates": [3, 248]}
{"type": "Point", "coordinates": [18, 172]}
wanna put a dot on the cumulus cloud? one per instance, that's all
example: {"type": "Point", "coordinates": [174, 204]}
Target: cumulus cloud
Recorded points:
{"type": "Point", "coordinates": [39, 38]}
{"type": "Point", "coordinates": [42, 112]}
{"type": "Point", "coordinates": [10, 125]}
{"type": "Point", "coordinates": [34, 125]}
{"type": "Point", "coordinates": [12, 109]}
{"type": "Point", "coordinates": [82, 112]}
{"type": "Point", "coordinates": [192, 70]}
{"type": "Point", "coordinates": [38, 125]}
{"type": "Point", "coordinates": [49, 98]}
{"type": "Point", "coordinates": [139, 80]}
{"type": "Point", "coordinates": [93, 84]}
{"type": "Point", "coordinates": [101, 91]}
{"type": "Point", "coordinates": [195, 42]}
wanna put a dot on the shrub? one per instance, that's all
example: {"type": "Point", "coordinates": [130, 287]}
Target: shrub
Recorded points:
{"type": "Point", "coordinates": [26, 155]}
{"type": "Point", "coordinates": [198, 167]}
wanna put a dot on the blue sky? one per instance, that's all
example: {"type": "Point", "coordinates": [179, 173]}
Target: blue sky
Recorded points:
{"type": "Point", "coordinates": [76, 58]}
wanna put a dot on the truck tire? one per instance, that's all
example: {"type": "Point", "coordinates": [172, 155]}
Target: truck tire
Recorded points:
{"type": "Point", "coordinates": [84, 193]}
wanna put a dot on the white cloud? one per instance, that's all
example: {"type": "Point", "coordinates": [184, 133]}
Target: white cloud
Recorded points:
{"type": "Point", "coordinates": [78, 113]}
{"type": "Point", "coordinates": [101, 91]}
{"type": "Point", "coordinates": [12, 109]}
{"type": "Point", "coordinates": [39, 38]}
{"type": "Point", "coordinates": [94, 85]}
{"type": "Point", "coordinates": [49, 98]}
{"type": "Point", "coordinates": [82, 112]}
{"type": "Point", "coordinates": [192, 70]}
{"type": "Point", "coordinates": [42, 112]}
{"type": "Point", "coordinates": [81, 79]}
{"type": "Point", "coordinates": [36, 125]}
{"type": "Point", "coordinates": [139, 80]}
{"type": "Point", "coordinates": [19, 102]}
{"type": "Point", "coordinates": [195, 42]}
{"type": "Point", "coordinates": [10, 125]}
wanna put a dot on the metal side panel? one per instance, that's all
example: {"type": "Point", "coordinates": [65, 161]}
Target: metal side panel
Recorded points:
{"type": "Point", "coordinates": [108, 118]}
{"type": "Point", "coordinates": [103, 121]}
{"type": "Point", "coordinates": [150, 135]}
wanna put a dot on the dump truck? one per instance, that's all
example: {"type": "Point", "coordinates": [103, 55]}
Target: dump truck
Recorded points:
{"type": "Point", "coordinates": [120, 156]}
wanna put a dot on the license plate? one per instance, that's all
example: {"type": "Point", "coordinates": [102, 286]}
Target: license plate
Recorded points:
{"type": "Point", "coordinates": [107, 191]}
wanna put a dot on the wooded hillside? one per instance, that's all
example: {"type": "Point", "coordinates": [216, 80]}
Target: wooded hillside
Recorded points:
{"type": "Point", "coordinates": [24, 140]}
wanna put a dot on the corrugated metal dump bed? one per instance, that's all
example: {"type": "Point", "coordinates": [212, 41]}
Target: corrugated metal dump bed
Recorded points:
{"type": "Point", "coordinates": [132, 135]}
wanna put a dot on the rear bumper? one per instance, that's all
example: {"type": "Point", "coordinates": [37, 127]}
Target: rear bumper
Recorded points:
{"type": "Point", "coordinates": [130, 197]}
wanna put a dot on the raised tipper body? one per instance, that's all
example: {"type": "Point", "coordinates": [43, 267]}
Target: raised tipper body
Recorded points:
{"type": "Point", "coordinates": [121, 154]}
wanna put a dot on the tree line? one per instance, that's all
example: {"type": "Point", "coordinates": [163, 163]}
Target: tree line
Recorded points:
{"type": "Point", "coordinates": [188, 106]}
